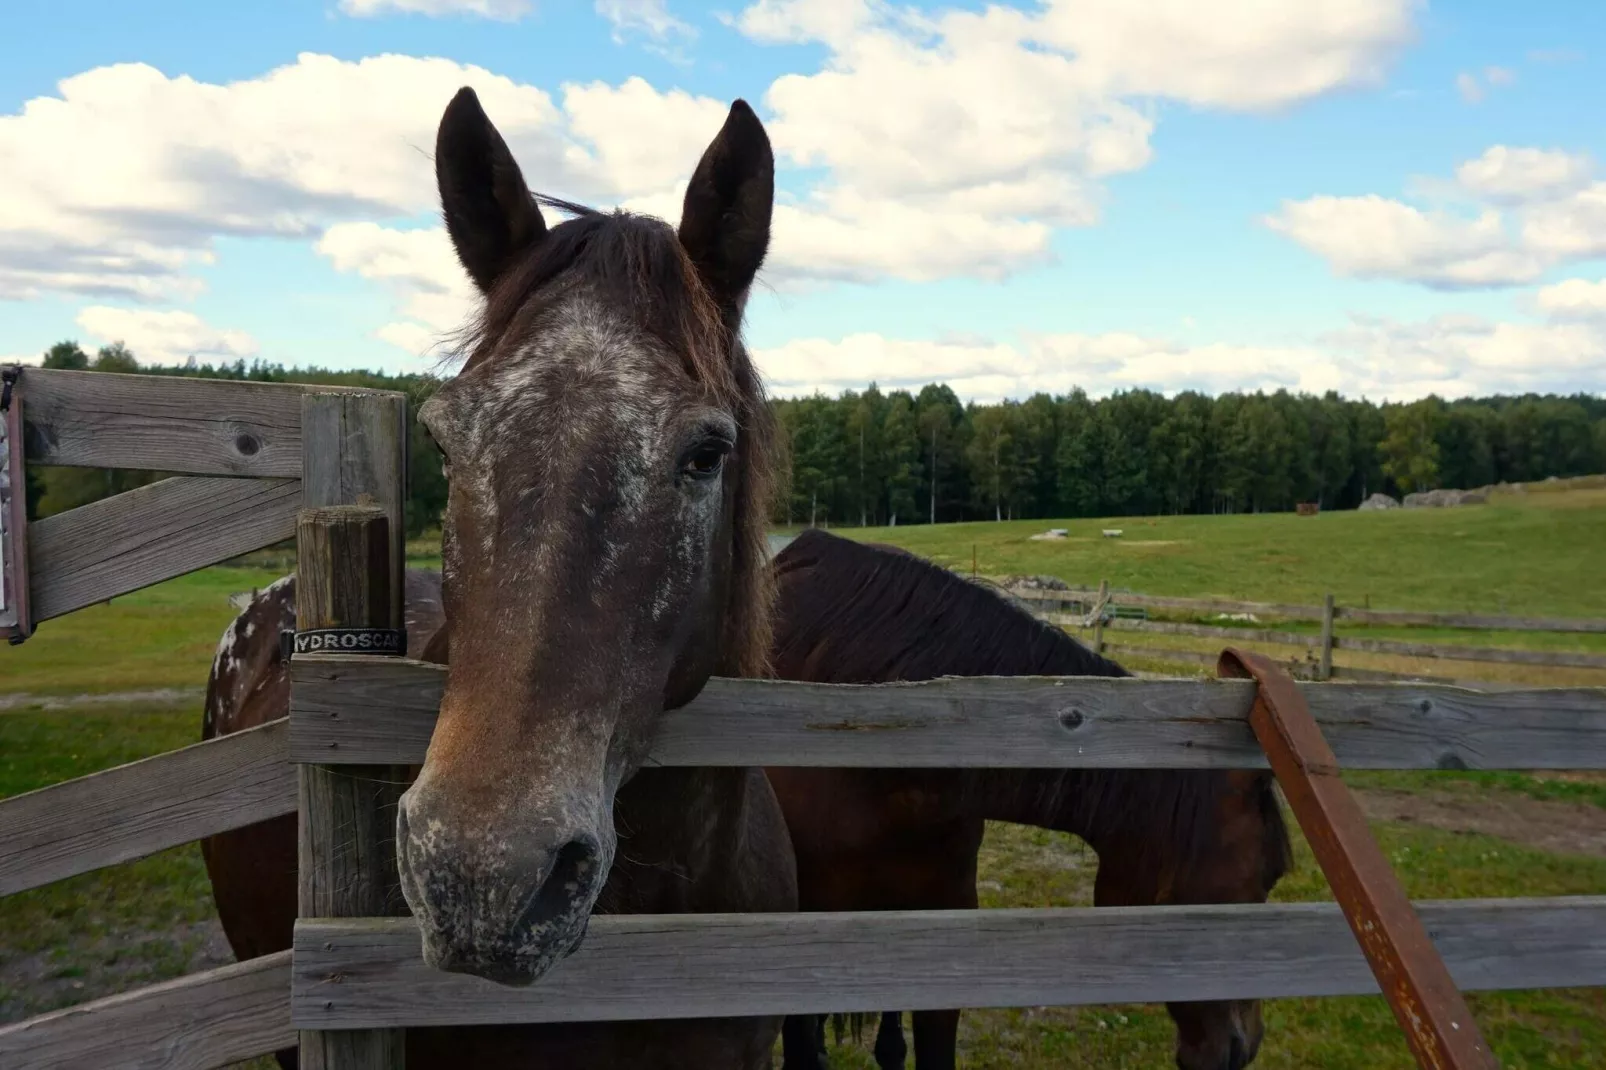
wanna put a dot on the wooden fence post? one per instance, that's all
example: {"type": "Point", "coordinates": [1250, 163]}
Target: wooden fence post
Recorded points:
{"type": "Point", "coordinates": [1326, 670]}
{"type": "Point", "coordinates": [1098, 616]}
{"type": "Point", "coordinates": [350, 557]}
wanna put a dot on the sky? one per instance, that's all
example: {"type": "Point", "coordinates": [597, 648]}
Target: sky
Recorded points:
{"type": "Point", "coordinates": [1381, 197]}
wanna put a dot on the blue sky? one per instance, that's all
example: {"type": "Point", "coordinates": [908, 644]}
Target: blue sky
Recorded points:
{"type": "Point", "coordinates": [1384, 198]}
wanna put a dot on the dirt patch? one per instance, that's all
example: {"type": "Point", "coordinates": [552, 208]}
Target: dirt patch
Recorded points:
{"type": "Point", "coordinates": [89, 969]}
{"type": "Point", "coordinates": [1562, 827]}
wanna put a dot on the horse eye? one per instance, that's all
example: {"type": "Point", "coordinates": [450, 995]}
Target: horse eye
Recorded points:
{"type": "Point", "coordinates": [705, 461]}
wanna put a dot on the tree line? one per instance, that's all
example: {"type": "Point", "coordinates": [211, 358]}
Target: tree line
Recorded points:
{"type": "Point", "coordinates": [899, 457]}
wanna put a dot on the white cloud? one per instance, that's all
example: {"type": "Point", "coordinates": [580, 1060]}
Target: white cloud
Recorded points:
{"type": "Point", "coordinates": [1540, 209]}
{"type": "Point", "coordinates": [1382, 359]}
{"type": "Point", "coordinates": [1473, 91]}
{"type": "Point", "coordinates": [501, 10]}
{"type": "Point", "coordinates": [21, 358]}
{"type": "Point", "coordinates": [1573, 299]}
{"type": "Point", "coordinates": [639, 141]}
{"type": "Point", "coordinates": [1000, 125]}
{"type": "Point", "coordinates": [1373, 237]}
{"type": "Point", "coordinates": [799, 21]}
{"type": "Point", "coordinates": [1505, 175]}
{"type": "Point", "coordinates": [1246, 54]}
{"type": "Point", "coordinates": [651, 18]}
{"type": "Point", "coordinates": [1568, 228]}
{"type": "Point", "coordinates": [421, 272]}
{"type": "Point", "coordinates": [118, 185]}
{"type": "Point", "coordinates": [170, 337]}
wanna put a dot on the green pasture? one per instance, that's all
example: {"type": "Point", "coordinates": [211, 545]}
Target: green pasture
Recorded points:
{"type": "Point", "coordinates": [1529, 555]}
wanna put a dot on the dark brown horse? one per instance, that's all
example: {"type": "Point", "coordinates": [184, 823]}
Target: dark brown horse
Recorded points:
{"type": "Point", "coordinates": [905, 839]}
{"type": "Point", "coordinates": [604, 554]}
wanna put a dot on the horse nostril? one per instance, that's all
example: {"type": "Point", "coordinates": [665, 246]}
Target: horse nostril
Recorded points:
{"type": "Point", "coordinates": [568, 884]}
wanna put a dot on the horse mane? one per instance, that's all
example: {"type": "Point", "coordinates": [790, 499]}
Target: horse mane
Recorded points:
{"type": "Point", "coordinates": [857, 613]}
{"type": "Point", "coordinates": [638, 267]}
{"type": "Point", "coordinates": [885, 614]}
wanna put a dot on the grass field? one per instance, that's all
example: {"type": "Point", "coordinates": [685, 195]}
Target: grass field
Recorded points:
{"type": "Point", "coordinates": [145, 657]}
{"type": "Point", "coordinates": [1538, 554]}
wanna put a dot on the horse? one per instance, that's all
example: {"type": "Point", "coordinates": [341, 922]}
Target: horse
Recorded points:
{"type": "Point", "coordinates": [905, 839]}
{"type": "Point", "coordinates": [865, 839]}
{"type": "Point", "coordinates": [604, 553]}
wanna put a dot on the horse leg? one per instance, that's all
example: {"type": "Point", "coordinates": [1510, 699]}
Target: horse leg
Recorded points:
{"type": "Point", "coordinates": [1244, 858]}
{"type": "Point", "coordinates": [803, 1042]}
{"type": "Point", "coordinates": [890, 1049]}
{"type": "Point", "coordinates": [941, 877]}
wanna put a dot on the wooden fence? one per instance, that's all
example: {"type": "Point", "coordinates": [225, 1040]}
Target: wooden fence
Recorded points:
{"type": "Point", "coordinates": [360, 711]}
{"type": "Point", "coordinates": [1056, 604]}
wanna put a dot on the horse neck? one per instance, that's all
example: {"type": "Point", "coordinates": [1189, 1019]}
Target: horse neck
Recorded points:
{"type": "Point", "coordinates": [1044, 798]}
{"type": "Point", "coordinates": [679, 828]}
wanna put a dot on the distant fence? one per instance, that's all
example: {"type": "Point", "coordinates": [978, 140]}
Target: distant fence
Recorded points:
{"type": "Point", "coordinates": [1083, 601]}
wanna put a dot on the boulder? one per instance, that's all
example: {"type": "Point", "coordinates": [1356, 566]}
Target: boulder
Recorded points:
{"type": "Point", "coordinates": [1036, 583]}
{"type": "Point", "coordinates": [1443, 499]}
{"type": "Point", "coordinates": [1379, 501]}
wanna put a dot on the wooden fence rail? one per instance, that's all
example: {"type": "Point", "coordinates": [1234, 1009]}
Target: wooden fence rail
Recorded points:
{"type": "Point", "coordinates": [150, 534]}
{"type": "Point", "coordinates": [197, 1022]}
{"type": "Point", "coordinates": [1404, 618]}
{"type": "Point", "coordinates": [209, 427]}
{"type": "Point", "coordinates": [382, 711]}
{"type": "Point", "coordinates": [146, 806]}
{"type": "Point", "coordinates": [1447, 651]}
{"type": "Point", "coordinates": [369, 973]}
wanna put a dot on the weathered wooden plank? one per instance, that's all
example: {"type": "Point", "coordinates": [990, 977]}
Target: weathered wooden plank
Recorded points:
{"type": "Point", "coordinates": [153, 533]}
{"type": "Point", "coordinates": [1158, 653]}
{"type": "Point", "coordinates": [1484, 621]}
{"type": "Point", "coordinates": [197, 1022]}
{"type": "Point", "coordinates": [1212, 631]}
{"type": "Point", "coordinates": [146, 806]}
{"type": "Point", "coordinates": [1174, 655]}
{"type": "Point", "coordinates": [1449, 651]}
{"type": "Point", "coordinates": [1427, 1005]}
{"type": "Point", "coordinates": [369, 972]}
{"type": "Point", "coordinates": [1550, 658]}
{"type": "Point", "coordinates": [356, 454]}
{"type": "Point", "coordinates": [1151, 601]}
{"type": "Point", "coordinates": [349, 563]}
{"type": "Point", "coordinates": [1348, 672]}
{"type": "Point", "coordinates": [165, 423]}
{"type": "Point", "coordinates": [382, 710]}
{"type": "Point", "coordinates": [1478, 621]}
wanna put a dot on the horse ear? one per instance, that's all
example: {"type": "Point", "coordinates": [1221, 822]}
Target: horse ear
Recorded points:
{"type": "Point", "coordinates": [725, 222]}
{"type": "Point", "coordinates": [489, 211]}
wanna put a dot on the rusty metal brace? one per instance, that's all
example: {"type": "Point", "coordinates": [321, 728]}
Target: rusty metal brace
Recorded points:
{"type": "Point", "coordinates": [1438, 1025]}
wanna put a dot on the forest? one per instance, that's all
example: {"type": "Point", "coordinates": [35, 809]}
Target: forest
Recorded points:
{"type": "Point", "coordinates": [872, 457]}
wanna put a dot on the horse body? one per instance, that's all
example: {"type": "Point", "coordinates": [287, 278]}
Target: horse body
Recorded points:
{"type": "Point", "coordinates": [890, 839]}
